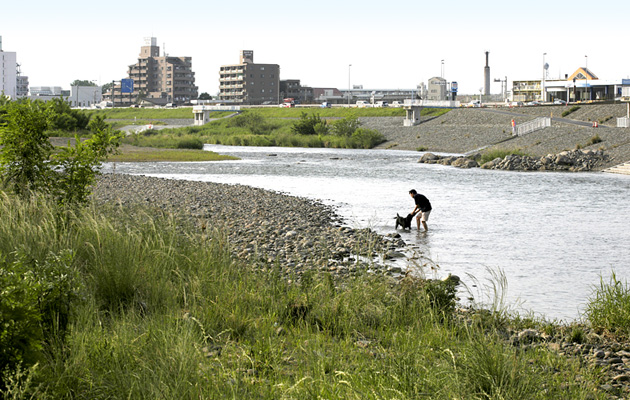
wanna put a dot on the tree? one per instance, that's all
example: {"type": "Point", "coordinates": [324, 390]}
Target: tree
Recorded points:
{"type": "Point", "coordinates": [25, 147]}
{"type": "Point", "coordinates": [107, 87]}
{"type": "Point", "coordinates": [205, 96]}
{"type": "Point", "coordinates": [78, 82]}
{"type": "Point", "coordinates": [27, 162]}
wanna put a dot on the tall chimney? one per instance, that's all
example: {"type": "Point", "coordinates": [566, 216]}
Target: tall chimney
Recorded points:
{"type": "Point", "coordinates": [486, 76]}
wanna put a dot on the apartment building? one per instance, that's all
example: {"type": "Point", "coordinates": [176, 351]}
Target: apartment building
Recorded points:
{"type": "Point", "coordinates": [8, 72]}
{"type": "Point", "coordinates": [249, 83]}
{"type": "Point", "coordinates": [158, 79]}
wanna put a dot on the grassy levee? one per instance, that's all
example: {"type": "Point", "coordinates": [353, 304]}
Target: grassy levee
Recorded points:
{"type": "Point", "coordinates": [155, 308]}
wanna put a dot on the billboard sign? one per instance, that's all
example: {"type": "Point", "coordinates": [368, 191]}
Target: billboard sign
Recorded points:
{"type": "Point", "coordinates": [126, 85]}
{"type": "Point", "coordinates": [454, 87]}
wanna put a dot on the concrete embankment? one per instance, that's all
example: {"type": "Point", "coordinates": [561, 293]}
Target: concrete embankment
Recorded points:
{"type": "Point", "coordinates": [469, 130]}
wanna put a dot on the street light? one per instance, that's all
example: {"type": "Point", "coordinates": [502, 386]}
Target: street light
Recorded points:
{"type": "Point", "coordinates": [542, 90]}
{"type": "Point", "coordinates": [586, 76]}
{"type": "Point", "coordinates": [349, 93]}
{"type": "Point", "coordinates": [442, 70]}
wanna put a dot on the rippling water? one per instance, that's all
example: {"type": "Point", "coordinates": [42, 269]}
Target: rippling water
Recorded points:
{"type": "Point", "coordinates": [554, 235]}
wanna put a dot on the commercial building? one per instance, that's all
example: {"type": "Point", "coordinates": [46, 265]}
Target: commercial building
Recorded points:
{"type": "Point", "coordinates": [156, 79]}
{"type": "Point", "coordinates": [85, 96]}
{"type": "Point", "coordinates": [292, 88]}
{"type": "Point", "coordinates": [582, 85]}
{"type": "Point", "coordinates": [249, 83]}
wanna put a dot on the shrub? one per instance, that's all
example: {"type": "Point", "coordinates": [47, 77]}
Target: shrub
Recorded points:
{"type": "Point", "coordinates": [309, 125]}
{"type": "Point", "coordinates": [570, 110]}
{"type": "Point", "coordinates": [593, 140]}
{"type": "Point", "coordinates": [346, 127]}
{"type": "Point", "coordinates": [35, 305]}
{"type": "Point", "coordinates": [252, 121]}
{"type": "Point", "coordinates": [190, 143]}
{"type": "Point", "coordinates": [367, 138]}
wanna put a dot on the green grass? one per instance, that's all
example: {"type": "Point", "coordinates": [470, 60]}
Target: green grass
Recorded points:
{"type": "Point", "coordinates": [491, 154]}
{"type": "Point", "coordinates": [570, 110]}
{"type": "Point", "coordinates": [608, 308]}
{"type": "Point", "coordinates": [164, 311]}
{"type": "Point", "coordinates": [144, 113]}
{"type": "Point", "coordinates": [169, 155]}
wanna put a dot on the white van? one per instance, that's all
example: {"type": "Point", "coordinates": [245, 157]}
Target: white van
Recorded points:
{"type": "Point", "coordinates": [362, 104]}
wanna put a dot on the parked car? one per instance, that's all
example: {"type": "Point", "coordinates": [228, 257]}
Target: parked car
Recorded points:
{"type": "Point", "coordinates": [534, 103]}
{"type": "Point", "coordinates": [560, 101]}
{"type": "Point", "coordinates": [362, 104]}
{"type": "Point", "coordinates": [397, 103]}
{"type": "Point", "coordinates": [381, 104]}
{"type": "Point", "coordinates": [325, 105]}
{"type": "Point", "coordinates": [474, 103]}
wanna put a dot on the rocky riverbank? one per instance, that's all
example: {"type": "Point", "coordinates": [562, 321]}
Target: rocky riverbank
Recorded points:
{"type": "Point", "coordinates": [263, 227]}
{"type": "Point", "coordinates": [573, 161]}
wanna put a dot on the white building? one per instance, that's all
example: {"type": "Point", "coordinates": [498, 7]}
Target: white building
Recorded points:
{"type": "Point", "coordinates": [85, 96]}
{"type": "Point", "coordinates": [8, 73]}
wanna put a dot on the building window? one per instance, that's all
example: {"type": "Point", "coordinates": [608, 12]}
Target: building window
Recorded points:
{"type": "Point", "coordinates": [262, 68]}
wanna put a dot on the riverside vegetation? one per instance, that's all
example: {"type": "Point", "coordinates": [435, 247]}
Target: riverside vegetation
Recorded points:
{"type": "Point", "coordinates": [137, 301]}
{"type": "Point", "coordinates": [288, 127]}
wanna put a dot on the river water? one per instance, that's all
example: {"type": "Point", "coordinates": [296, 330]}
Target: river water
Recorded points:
{"type": "Point", "coordinates": [552, 235]}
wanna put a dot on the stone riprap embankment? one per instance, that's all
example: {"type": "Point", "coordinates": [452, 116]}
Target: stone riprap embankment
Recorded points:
{"type": "Point", "coordinates": [262, 226]}
{"type": "Point", "coordinates": [574, 161]}
{"type": "Point", "coordinates": [472, 130]}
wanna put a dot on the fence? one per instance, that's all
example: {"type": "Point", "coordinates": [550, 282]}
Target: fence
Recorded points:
{"type": "Point", "coordinates": [531, 126]}
{"type": "Point", "coordinates": [623, 122]}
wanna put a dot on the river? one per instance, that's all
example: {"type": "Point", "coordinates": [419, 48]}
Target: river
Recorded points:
{"type": "Point", "coordinates": [552, 235]}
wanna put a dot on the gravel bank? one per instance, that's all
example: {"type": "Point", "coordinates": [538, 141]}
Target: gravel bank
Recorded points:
{"type": "Point", "coordinates": [466, 130]}
{"type": "Point", "coordinates": [262, 226]}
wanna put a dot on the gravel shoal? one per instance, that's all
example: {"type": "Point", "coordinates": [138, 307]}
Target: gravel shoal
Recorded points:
{"type": "Point", "coordinates": [467, 130]}
{"type": "Point", "coordinates": [262, 226]}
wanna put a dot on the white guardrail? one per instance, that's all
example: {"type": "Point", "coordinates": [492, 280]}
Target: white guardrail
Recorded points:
{"type": "Point", "coordinates": [531, 126]}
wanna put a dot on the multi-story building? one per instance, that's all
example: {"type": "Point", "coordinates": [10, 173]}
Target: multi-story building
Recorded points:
{"type": "Point", "coordinates": [8, 73]}
{"type": "Point", "coordinates": [22, 86]}
{"type": "Point", "coordinates": [249, 83]}
{"type": "Point", "coordinates": [157, 79]}
{"type": "Point", "coordinates": [437, 89]}
{"type": "Point", "coordinates": [292, 88]}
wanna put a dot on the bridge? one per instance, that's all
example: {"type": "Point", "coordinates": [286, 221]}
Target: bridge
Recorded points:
{"type": "Point", "coordinates": [202, 113]}
{"type": "Point", "coordinates": [414, 107]}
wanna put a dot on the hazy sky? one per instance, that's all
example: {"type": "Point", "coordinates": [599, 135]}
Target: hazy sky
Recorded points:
{"type": "Point", "coordinates": [390, 44]}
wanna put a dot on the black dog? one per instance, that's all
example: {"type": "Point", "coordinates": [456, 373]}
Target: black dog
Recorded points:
{"type": "Point", "coordinates": [405, 222]}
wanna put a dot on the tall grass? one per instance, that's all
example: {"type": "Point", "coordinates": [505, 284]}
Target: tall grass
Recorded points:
{"type": "Point", "coordinates": [165, 312]}
{"type": "Point", "coordinates": [608, 308]}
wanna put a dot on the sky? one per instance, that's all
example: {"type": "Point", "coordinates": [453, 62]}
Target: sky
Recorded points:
{"type": "Point", "coordinates": [325, 43]}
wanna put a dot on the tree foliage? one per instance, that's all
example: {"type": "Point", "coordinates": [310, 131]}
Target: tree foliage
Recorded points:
{"type": "Point", "coordinates": [79, 82]}
{"type": "Point", "coordinates": [205, 96]}
{"type": "Point", "coordinates": [28, 164]}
